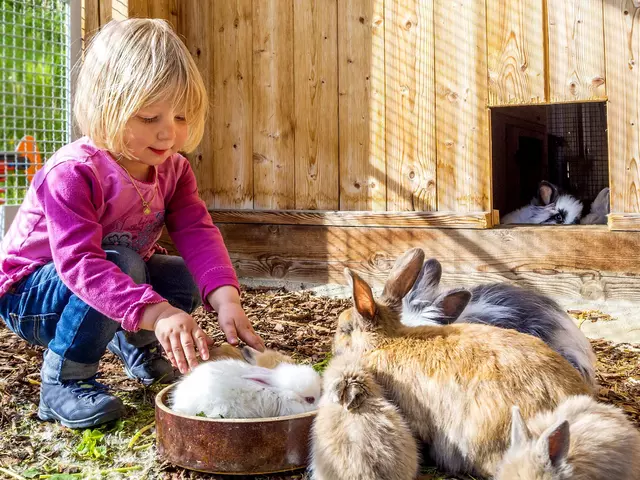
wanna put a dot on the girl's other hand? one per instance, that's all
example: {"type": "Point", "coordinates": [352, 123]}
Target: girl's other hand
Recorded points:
{"type": "Point", "coordinates": [234, 323]}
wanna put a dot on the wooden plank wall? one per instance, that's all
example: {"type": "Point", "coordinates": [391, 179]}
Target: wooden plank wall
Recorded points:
{"type": "Point", "coordinates": [382, 104]}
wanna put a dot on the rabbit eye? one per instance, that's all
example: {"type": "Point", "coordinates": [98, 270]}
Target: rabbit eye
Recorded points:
{"type": "Point", "coordinates": [309, 399]}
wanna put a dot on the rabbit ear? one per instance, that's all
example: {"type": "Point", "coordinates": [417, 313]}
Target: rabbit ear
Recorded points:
{"type": "Point", "coordinates": [403, 274]}
{"type": "Point", "coordinates": [426, 285]}
{"type": "Point", "coordinates": [260, 375]}
{"type": "Point", "coordinates": [452, 303]}
{"type": "Point", "coordinates": [362, 295]}
{"type": "Point", "coordinates": [249, 354]}
{"type": "Point", "coordinates": [554, 443]}
{"type": "Point", "coordinates": [547, 193]}
{"type": "Point", "coordinates": [519, 431]}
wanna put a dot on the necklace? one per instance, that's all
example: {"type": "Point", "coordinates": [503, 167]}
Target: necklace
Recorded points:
{"type": "Point", "coordinates": [146, 209]}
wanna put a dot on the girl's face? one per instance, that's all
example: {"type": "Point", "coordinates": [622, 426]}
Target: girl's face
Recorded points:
{"type": "Point", "coordinates": [152, 135]}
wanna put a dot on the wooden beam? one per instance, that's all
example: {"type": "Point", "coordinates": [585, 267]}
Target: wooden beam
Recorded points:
{"type": "Point", "coordinates": [462, 119]}
{"type": "Point", "coordinates": [576, 50]}
{"type": "Point", "coordinates": [624, 221]}
{"type": "Point", "coordinates": [361, 70]}
{"type": "Point", "coordinates": [587, 262]}
{"type": "Point", "coordinates": [622, 51]}
{"type": "Point", "coordinates": [348, 218]}
{"type": "Point", "coordinates": [196, 19]}
{"type": "Point", "coordinates": [410, 105]}
{"type": "Point", "coordinates": [231, 112]}
{"type": "Point", "coordinates": [515, 44]}
{"type": "Point", "coordinates": [317, 176]}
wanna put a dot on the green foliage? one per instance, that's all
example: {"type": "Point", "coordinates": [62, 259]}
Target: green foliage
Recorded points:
{"type": "Point", "coordinates": [90, 445]}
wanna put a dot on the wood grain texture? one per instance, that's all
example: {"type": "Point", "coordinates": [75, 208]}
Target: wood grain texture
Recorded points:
{"type": "Point", "coordinates": [361, 86]}
{"type": "Point", "coordinates": [168, 10]}
{"type": "Point", "coordinates": [515, 43]}
{"type": "Point", "coordinates": [622, 51]}
{"type": "Point", "coordinates": [591, 263]}
{"type": "Point", "coordinates": [139, 8]}
{"type": "Point", "coordinates": [316, 104]}
{"type": "Point", "coordinates": [624, 221]}
{"type": "Point", "coordinates": [350, 218]}
{"type": "Point", "coordinates": [410, 105]}
{"type": "Point", "coordinates": [576, 50]}
{"type": "Point", "coordinates": [462, 120]}
{"type": "Point", "coordinates": [194, 27]}
{"type": "Point", "coordinates": [273, 104]}
{"type": "Point", "coordinates": [232, 110]}
{"type": "Point", "coordinates": [587, 262]}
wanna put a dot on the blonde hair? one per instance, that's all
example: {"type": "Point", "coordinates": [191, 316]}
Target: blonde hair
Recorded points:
{"type": "Point", "coordinates": [129, 65]}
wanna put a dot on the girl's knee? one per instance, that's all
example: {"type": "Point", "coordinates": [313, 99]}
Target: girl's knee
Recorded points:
{"type": "Point", "coordinates": [129, 262]}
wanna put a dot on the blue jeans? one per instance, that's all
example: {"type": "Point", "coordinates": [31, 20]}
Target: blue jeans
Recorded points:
{"type": "Point", "coordinates": [42, 310]}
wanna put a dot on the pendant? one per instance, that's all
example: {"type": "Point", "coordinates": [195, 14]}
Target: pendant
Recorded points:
{"type": "Point", "coordinates": [146, 209]}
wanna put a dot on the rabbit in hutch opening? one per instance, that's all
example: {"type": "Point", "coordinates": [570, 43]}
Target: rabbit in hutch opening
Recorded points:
{"type": "Point", "coordinates": [454, 384]}
{"type": "Point", "coordinates": [549, 207]}
{"type": "Point", "coordinates": [357, 433]}
{"type": "Point", "coordinates": [232, 388]}
{"type": "Point", "coordinates": [600, 208]}
{"type": "Point", "coordinates": [501, 305]}
{"type": "Point", "coordinates": [582, 439]}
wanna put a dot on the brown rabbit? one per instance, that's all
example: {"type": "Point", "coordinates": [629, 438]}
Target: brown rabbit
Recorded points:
{"type": "Point", "coordinates": [582, 439]}
{"type": "Point", "coordinates": [454, 384]}
{"type": "Point", "coordinates": [357, 433]}
{"type": "Point", "coordinates": [267, 359]}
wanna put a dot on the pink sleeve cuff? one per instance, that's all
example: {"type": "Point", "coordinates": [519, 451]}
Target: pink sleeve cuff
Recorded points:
{"type": "Point", "coordinates": [215, 278]}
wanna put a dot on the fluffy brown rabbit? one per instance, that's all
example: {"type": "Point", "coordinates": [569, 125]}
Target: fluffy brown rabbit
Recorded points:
{"type": "Point", "coordinates": [267, 359]}
{"type": "Point", "coordinates": [357, 433]}
{"type": "Point", "coordinates": [454, 384]}
{"type": "Point", "coordinates": [580, 440]}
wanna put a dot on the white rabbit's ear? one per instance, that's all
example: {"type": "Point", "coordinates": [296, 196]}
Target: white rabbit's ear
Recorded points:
{"type": "Point", "coordinates": [403, 274]}
{"type": "Point", "coordinates": [260, 375]}
{"type": "Point", "coordinates": [554, 443]}
{"type": "Point", "coordinates": [519, 431]}
{"type": "Point", "coordinates": [430, 275]}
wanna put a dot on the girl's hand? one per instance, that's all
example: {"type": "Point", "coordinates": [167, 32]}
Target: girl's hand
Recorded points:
{"type": "Point", "coordinates": [234, 323]}
{"type": "Point", "coordinates": [232, 319]}
{"type": "Point", "coordinates": [180, 336]}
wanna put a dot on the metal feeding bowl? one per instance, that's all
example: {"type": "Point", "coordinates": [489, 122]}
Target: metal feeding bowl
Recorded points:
{"type": "Point", "coordinates": [252, 446]}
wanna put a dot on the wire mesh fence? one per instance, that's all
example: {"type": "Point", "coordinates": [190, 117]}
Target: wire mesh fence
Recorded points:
{"type": "Point", "coordinates": [35, 95]}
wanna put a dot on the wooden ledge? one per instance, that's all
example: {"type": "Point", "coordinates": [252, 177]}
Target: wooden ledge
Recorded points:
{"type": "Point", "coordinates": [624, 221]}
{"type": "Point", "coordinates": [356, 219]}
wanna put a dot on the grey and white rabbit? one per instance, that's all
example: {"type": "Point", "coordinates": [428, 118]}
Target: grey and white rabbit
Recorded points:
{"type": "Point", "coordinates": [357, 433]}
{"type": "Point", "coordinates": [600, 208]}
{"type": "Point", "coordinates": [581, 439]}
{"type": "Point", "coordinates": [501, 305]}
{"type": "Point", "coordinates": [233, 388]}
{"type": "Point", "coordinates": [549, 207]}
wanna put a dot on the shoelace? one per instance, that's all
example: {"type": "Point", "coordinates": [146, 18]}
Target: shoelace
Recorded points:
{"type": "Point", "coordinates": [88, 388]}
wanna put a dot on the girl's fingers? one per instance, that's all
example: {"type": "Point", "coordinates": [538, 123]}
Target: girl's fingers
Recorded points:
{"type": "Point", "coordinates": [166, 346]}
{"type": "Point", "coordinates": [176, 348]}
{"type": "Point", "coordinates": [202, 343]}
{"type": "Point", "coordinates": [188, 347]}
{"type": "Point", "coordinates": [228, 326]}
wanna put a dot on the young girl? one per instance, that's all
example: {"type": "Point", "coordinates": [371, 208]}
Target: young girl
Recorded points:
{"type": "Point", "coordinates": [80, 269]}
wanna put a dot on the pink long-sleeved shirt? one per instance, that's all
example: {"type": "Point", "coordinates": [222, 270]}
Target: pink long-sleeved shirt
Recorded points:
{"type": "Point", "coordinates": [82, 201]}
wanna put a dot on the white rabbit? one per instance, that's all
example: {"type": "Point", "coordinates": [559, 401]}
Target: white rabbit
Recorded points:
{"type": "Point", "coordinates": [580, 440]}
{"type": "Point", "coordinates": [357, 433]}
{"type": "Point", "coordinates": [600, 208]}
{"type": "Point", "coordinates": [236, 389]}
{"type": "Point", "coordinates": [501, 305]}
{"type": "Point", "coordinates": [549, 207]}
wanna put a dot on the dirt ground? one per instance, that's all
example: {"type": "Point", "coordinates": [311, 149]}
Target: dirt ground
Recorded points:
{"type": "Point", "coordinates": [298, 323]}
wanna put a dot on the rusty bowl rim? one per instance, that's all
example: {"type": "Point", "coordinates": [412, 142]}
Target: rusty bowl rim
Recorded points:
{"type": "Point", "coordinates": [162, 406]}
